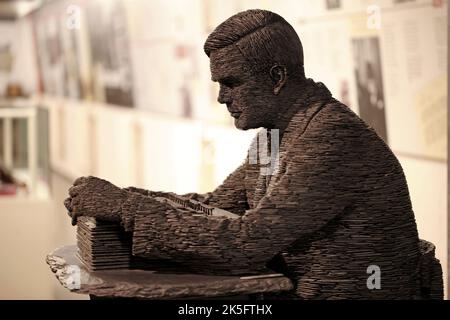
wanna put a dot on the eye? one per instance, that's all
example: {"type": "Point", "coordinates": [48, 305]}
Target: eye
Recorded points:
{"type": "Point", "coordinates": [230, 83]}
{"type": "Point", "coordinates": [227, 84]}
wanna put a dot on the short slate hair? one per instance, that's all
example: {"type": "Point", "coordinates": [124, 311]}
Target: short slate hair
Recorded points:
{"type": "Point", "coordinates": [264, 38]}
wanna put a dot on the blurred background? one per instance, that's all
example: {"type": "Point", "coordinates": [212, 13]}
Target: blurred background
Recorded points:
{"type": "Point", "coordinates": [121, 90]}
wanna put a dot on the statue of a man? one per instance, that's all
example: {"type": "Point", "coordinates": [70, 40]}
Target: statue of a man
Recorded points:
{"type": "Point", "coordinates": [335, 216]}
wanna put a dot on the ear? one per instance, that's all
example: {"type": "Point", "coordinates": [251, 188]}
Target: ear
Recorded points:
{"type": "Point", "coordinates": [278, 74]}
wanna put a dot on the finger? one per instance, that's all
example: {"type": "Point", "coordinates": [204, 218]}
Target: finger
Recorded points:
{"type": "Point", "coordinates": [74, 219]}
{"type": "Point", "coordinates": [75, 210]}
{"type": "Point", "coordinates": [75, 190]}
{"type": "Point", "coordinates": [80, 180]}
{"type": "Point", "coordinates": [68, 204]}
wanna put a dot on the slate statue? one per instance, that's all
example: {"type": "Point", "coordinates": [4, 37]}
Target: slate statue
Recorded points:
{"type": "Point", "coordinates": [335, 216]}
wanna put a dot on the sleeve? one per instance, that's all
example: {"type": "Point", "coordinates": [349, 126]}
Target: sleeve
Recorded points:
{"type": "Point", "coordinates": [306, 194]}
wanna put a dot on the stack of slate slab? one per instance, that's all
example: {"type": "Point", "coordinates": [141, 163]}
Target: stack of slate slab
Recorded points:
{"type": "Point", "coordinates": [106, 246]}
{"type": "Point", "coordinates": [103, 245]}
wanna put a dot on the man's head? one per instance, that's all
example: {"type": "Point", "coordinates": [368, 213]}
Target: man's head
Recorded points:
{"type": "Point", "coordinates": [255, 56]}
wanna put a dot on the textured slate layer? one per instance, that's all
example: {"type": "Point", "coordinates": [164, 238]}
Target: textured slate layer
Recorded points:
{"type": "Point", "coordinates": [338, 205]}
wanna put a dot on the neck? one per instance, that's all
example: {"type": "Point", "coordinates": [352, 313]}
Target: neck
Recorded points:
{"type": "Point", "coordinates": [299, 96]}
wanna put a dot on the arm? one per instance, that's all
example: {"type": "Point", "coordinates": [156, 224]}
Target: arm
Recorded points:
{"type": "Point", "coordinates": [230, 195]}
{"type": "Point", "coordinates": [304, 197]}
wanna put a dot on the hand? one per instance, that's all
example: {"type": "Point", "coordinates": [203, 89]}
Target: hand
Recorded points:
{"type": "Point", "coordinates": [94, 197]}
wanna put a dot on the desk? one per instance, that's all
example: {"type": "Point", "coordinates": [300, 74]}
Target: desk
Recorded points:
{"type": "Point", "coordinates": [146, 284]}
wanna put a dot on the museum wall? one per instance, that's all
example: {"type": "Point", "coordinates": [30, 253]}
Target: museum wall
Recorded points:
{"type": "Point", "coordinates": [127, 91]}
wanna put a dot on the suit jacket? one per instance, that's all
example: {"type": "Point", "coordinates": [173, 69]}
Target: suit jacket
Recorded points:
{"type": "Point", "coordinates": [335, 218]}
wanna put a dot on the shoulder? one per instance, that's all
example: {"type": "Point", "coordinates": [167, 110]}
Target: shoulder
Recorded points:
{"type": "Point", "coordinates": [336, 124]}
{"type": "Point", "coordinates": [336, 117]}
{"type": "Point", "coordinates": [336, 130]}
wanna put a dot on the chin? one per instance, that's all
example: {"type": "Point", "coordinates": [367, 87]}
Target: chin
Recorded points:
{"type": "Point", "coordinates": [243, 124]}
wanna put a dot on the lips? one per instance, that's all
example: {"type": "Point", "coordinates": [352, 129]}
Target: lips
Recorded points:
{"type": "Point", "coordinates": [234, 113]}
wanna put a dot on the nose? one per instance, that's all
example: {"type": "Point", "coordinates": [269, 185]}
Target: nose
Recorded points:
{"type": "Point", "coordinates": [224, 95]}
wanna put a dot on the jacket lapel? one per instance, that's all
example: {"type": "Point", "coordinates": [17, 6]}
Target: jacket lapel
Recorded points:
{"type": "Point", "coordinates": [262, 182]}
{"type": "Point", "coordinates": [292, 133]}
